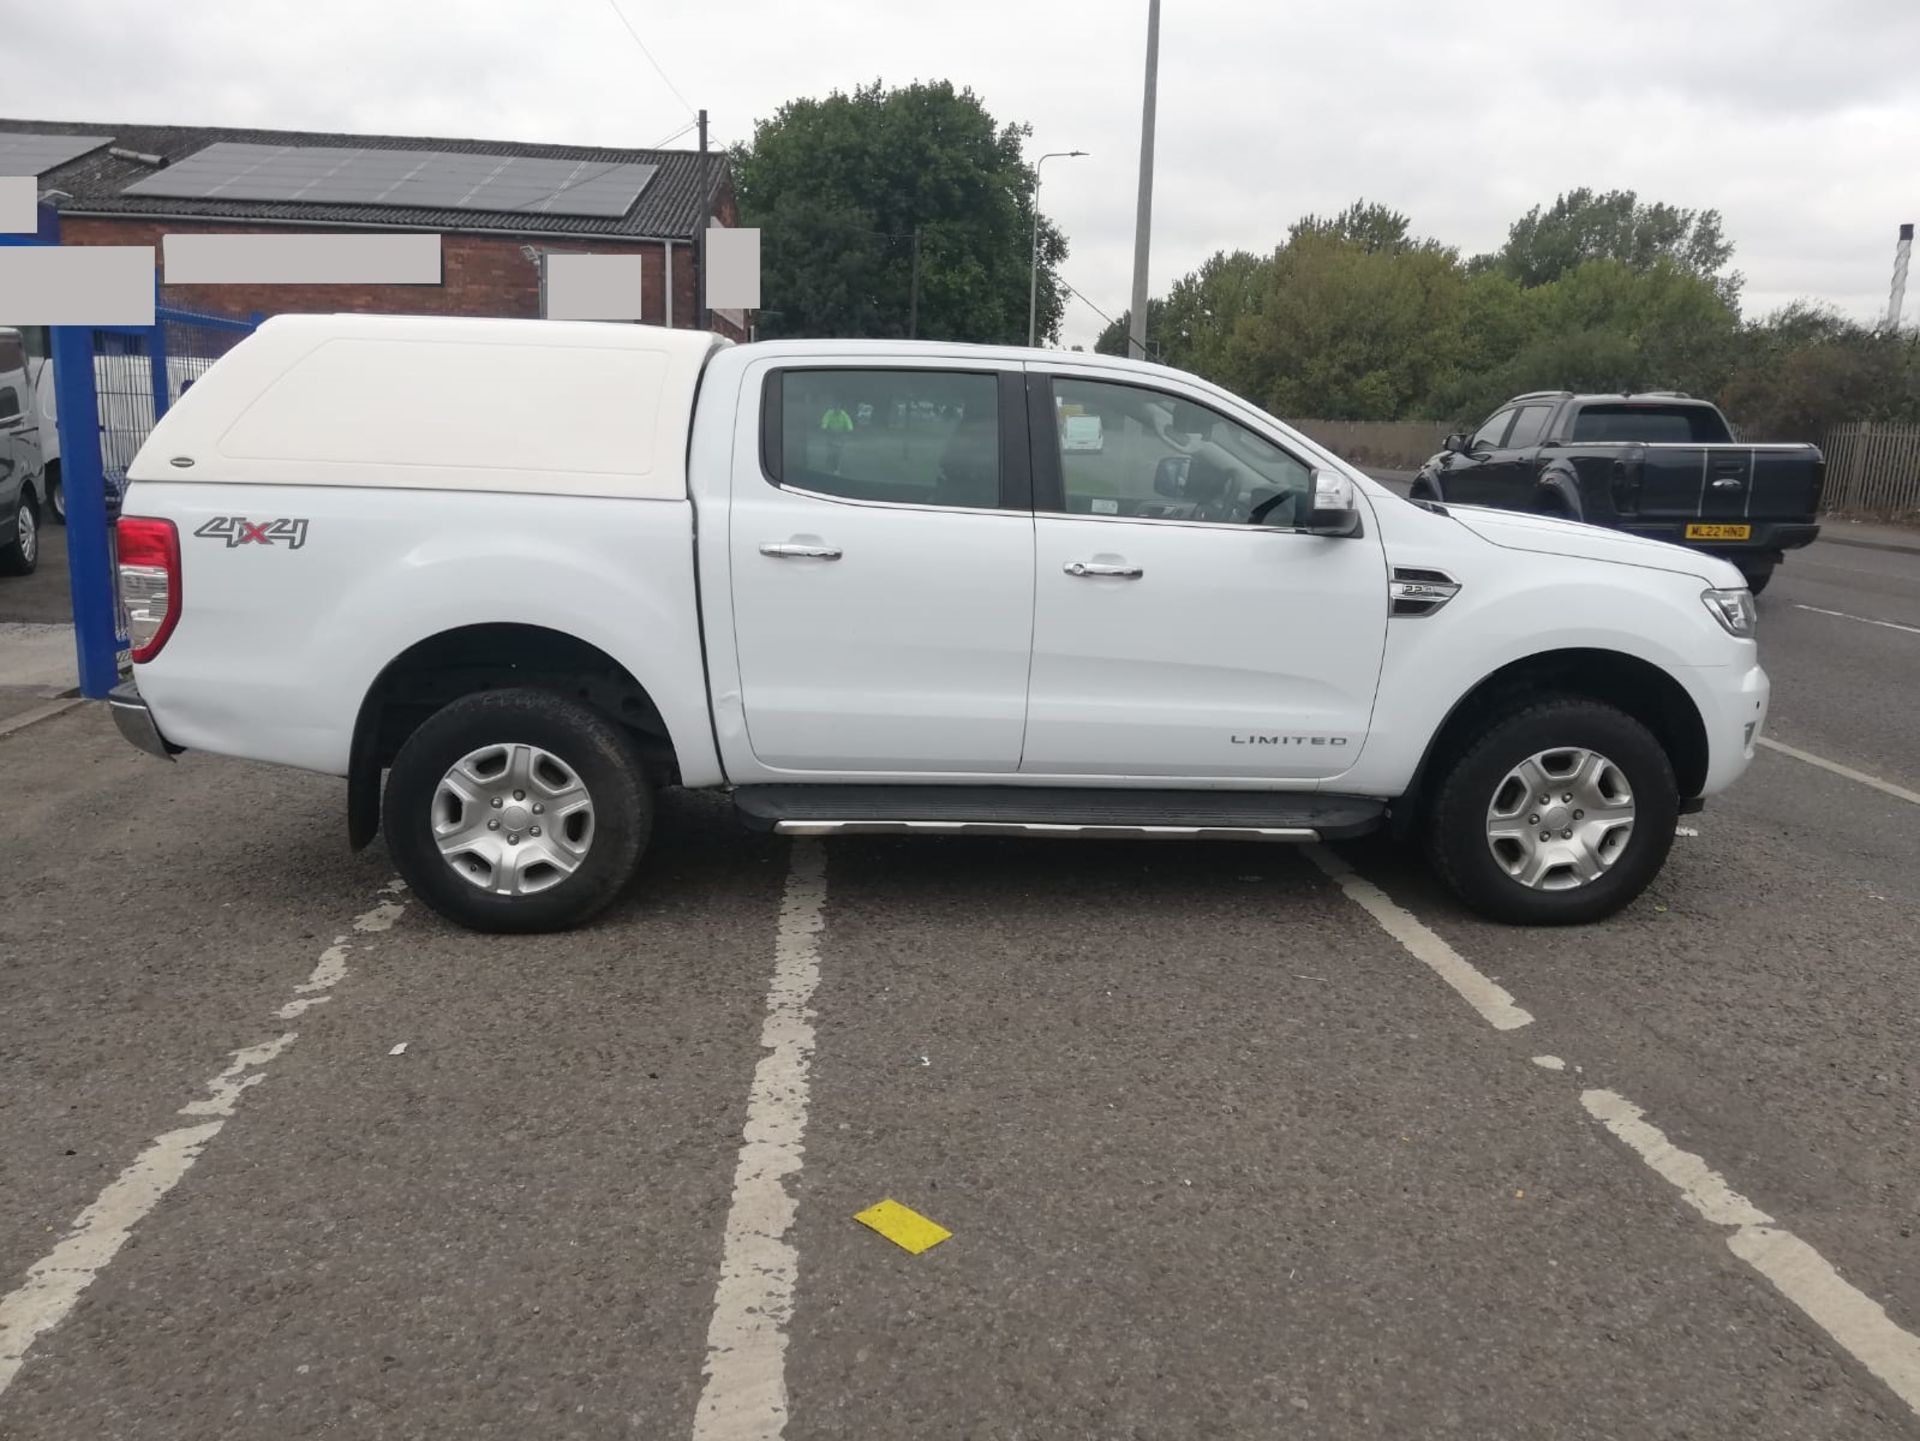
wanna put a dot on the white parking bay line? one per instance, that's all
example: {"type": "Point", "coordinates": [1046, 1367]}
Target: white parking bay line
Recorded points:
{"type": "Point", "coordinates": [745, 1395]}
{"type": "Point", "coordinates": [1854, 1319]}
{"type": "Point", "coordinates": [1495, 1005]}
{"type": "Point", "coordinates": [55, 1282]}
{"type": "Point", "coordinates": [1888, 787]}
{"type": "Point", "coordinates": [1863, 619]}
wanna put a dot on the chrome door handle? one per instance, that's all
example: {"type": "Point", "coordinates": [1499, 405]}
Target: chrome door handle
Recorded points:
{"type": "Point", "coordinates": [793, 550]}
{"type": "Point", "coordinates": [1093, 567]}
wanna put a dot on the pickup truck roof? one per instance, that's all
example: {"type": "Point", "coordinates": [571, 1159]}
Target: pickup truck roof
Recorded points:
{"type": "Point", "coordinates": [1613, 397]}
{"type": "Point", "coordinates": [579, 408]}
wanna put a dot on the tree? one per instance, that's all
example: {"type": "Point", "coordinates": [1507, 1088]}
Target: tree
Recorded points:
{"type": "Point", "coordinates": [1204, 309]}
{"type": "Point", "coordinates": [838, 188]}
{"type": "Point", "coordinates": [1114, 337]}
{"type": "Point", "coordinates": [1580, 226]}
{"type": "Point", "coordinates": [1342, 332]}
{"type": "Point", "coordinates": [1807, 368]}
{"type": "Point", "coordinates": [1373, 227]}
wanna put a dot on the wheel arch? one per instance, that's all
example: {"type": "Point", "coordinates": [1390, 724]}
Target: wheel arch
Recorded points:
{"type": "Point", "coordinates": [1627, 682]}
{"type": "Point", "coordinates": [488, 656]}
{"type": "Point", "coordinates": [1560, 480]}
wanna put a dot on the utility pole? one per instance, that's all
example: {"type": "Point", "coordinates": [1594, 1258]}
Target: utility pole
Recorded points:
{"type": "Point", "coordinates": [701, 320]}
{"type": "Point", "coordinates": [1033, 277]}
{"type": "Point", "coordinates": [1897, 301]}
{"type": "Point", "coordinates": [913, 291]}
{"type": "Point", "coordinates": [1143, 222]}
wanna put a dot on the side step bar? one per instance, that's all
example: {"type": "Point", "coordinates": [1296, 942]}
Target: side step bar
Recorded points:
{"type": "Point", "coordinates": [1044, 828]}
{"type": "Point", "coordinates": [1085, 813]}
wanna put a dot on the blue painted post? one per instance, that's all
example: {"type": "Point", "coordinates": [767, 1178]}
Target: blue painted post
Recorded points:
{"type": "Point", "coordinates": [157, 355]}
{"type": "Point", "coordinates": [89, 561]}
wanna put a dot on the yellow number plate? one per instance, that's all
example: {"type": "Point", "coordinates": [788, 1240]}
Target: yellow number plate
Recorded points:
{"type": "Point", "coordinates": [1719, 532]}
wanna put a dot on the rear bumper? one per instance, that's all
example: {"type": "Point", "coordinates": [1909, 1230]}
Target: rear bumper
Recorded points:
{"type": "Point", "coordinates": [1768, 535]}
{"type": "Point", "coordinates": [136, 724]}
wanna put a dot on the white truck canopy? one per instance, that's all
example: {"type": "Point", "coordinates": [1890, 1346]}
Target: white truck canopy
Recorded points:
{"type": "Point", "coordinates": [441, 403]}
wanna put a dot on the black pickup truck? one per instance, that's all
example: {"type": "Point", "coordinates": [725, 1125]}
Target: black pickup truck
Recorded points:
{"type": "Point", "coordinates": [1662, 465]}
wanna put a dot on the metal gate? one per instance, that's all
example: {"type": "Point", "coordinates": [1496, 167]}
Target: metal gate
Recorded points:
{"type": "Point", "coordinates": [112, 383]}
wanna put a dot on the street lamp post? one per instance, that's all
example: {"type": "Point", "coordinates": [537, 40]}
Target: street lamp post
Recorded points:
{"type": "Point", "coordinates": [1033, 280]}
{"type": "Point", "coordinates": [1143, 222]}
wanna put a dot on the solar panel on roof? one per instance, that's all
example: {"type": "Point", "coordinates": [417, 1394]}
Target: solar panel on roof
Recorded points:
{"type": "Point", "coordinates": [31, 154]}
{"type": "Point", "coordinates": [411, 179]}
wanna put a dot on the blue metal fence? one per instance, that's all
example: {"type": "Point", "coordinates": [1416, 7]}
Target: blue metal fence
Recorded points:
{"type": "Point", "coordinates": [112, 384]}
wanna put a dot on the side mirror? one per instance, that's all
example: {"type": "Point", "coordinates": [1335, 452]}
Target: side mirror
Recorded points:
{"type": "Point", "coordinates": [1457, 442]}
{"type": "Point", "coordinates": [1170, 476]}
{"type": "Point", "coordinates": [1335, 509]}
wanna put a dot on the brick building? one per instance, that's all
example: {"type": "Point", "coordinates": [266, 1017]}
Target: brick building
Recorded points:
{"type": "Point", "coordinates": [489, 260]}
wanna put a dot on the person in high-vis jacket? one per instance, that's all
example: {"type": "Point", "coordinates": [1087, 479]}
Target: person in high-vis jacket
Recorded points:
{"type": "Point", "coordinates": [837, 425]}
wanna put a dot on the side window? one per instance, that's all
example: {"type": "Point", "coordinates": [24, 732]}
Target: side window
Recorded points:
{"type": "Point", "coordinates": [1489, 436]}
{"type": "Point", "coordinates": [1530, 426]}
{"type": "Point", "coordinates": [1129, 451]}
{"type": "Point", "coordinates": [906, 437]}
{"type": "Point", "coordinates": [9, 403]}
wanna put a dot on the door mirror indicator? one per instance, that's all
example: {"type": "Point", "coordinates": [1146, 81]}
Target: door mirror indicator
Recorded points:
{"type": "Point", "coordinates": [1335, 509]}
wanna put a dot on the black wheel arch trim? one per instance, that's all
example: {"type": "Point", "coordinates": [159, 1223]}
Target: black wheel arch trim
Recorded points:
{"type": "Point", "coordinates": [1405, 809]}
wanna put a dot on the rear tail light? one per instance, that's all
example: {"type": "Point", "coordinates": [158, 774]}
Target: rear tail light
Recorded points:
{"type": "Point", "coordinates": [149, 582]}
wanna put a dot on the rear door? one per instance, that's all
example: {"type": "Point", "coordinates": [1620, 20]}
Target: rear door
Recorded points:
{"type": "Point", "coordinates": [881, 553]}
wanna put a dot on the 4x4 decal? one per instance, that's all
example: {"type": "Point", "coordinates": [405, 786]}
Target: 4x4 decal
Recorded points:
{"type": "Point", "coordinates": [238, 530]}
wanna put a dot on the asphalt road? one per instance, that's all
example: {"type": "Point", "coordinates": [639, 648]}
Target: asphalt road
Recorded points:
{"type": "Point", "coordinates": [1221, 1156]}
{"type": "Point", "coordinates": [36, 631]}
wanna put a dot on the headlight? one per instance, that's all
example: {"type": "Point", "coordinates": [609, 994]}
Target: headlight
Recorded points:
{"type": "Point", "coordinates": [1734, 609]}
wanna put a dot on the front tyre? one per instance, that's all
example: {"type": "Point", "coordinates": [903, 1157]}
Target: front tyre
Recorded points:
{"type": "Point", "coordinates": [1559, 814]}
{"type": "Point", "coordinates": [517, 810]}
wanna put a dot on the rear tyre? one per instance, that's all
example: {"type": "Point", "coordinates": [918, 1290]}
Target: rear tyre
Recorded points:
{"type": "Point", "coordinates": [56, 495]}
{"type": "Point", "coordinates": [1561, 813]}
{"type": "Point", "coordinates": [20, 553]}
{"type": "Point", "coordinates": [517, 810]}
{"type": "Point", "coordinates": [1757, 576]}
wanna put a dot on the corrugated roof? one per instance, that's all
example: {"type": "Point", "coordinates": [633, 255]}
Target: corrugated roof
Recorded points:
{"type": "Point", "coordinates": [673, 205]}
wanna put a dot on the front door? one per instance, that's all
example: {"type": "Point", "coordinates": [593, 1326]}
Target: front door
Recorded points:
{"type": "Point", "coordinates": [1476, 476]}
{"type": "Point", "coordinates": [1182, 626]}
{"type": "Point", "coordinates": [881, 549]}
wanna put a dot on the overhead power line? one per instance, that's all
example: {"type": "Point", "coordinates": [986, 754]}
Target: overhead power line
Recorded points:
{"type": "Point", "coordinates": [1083, 300]}
{"type": "Point", "coordinates": [661, 144]}
{"type": "Point", "coordinates": [621, 16]}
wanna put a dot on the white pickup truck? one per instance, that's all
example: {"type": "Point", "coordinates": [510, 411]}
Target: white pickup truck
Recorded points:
{"type": "Point", "coordinates": [532, 571]}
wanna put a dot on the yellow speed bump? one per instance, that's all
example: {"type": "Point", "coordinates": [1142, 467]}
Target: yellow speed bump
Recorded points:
{"type": "Point", "coordinates": [902, 1225]}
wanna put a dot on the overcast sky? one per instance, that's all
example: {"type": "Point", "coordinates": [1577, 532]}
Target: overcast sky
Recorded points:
{"type": "Point", "coordinates": [1797, 119]}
